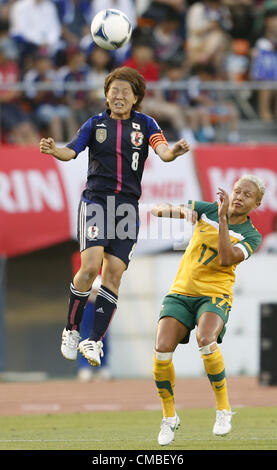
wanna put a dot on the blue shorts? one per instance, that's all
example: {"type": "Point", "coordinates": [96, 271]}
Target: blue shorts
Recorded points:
{"type": "Point", "coordinates": [109, 221]}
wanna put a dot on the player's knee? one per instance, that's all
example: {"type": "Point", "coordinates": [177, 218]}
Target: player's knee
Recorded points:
{"type": "Point", "coordinates": [205, 339]}
{"type": "Point", "coordinates": [89, 271]}
{"type": "Point", "coordinates": [163, 346]}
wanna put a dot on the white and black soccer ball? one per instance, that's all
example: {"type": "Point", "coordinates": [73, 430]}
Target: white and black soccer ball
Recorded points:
{"type": "Point", "coordinates": [111, 29]}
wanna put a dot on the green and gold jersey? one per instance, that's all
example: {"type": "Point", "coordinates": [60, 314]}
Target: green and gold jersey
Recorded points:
{"type": "Point", "coordinates": [200, 272]}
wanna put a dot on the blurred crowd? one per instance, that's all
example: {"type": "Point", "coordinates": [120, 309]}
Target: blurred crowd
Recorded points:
{"type": "Point", "coordinates": [48, 42]}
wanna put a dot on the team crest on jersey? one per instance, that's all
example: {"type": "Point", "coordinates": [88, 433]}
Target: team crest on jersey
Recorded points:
{"type": "Point", "coordinates": [92, 232]}
{"type": "Point", "coordinates": [101, 135]}
{"type": "Point", "coordinates": [137, 138]}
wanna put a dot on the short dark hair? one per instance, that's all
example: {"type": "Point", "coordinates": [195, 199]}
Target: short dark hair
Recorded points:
{"type": "Point", "coordinates": [270, 12]}
{"type": "Point", "coordinates": [130, 75]}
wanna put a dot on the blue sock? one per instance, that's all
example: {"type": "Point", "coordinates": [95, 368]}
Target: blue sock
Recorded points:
{"type": "Point", "coordinates": [104, 309]}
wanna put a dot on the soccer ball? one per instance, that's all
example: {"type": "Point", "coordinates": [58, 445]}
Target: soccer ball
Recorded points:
{"type": "Point", "coordinates": [111, 29]}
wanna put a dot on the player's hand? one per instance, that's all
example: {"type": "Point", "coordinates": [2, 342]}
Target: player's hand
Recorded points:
{"type": "Point", "coordinates": [180, 147]}
{"type": "Point", "coordinates": [47, 146]}
{"type": "Point", "coordinates": [189, 214]}
{"type": "Point", "coordinates": [224, 203]}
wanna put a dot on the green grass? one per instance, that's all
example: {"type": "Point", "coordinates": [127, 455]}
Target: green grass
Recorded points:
{"type": "Point", "coordinates": [253, 429]}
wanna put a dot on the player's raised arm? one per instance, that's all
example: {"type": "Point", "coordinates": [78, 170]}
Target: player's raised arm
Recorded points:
{"type": "Point", "coordinates": [168, 154]}
{"type": "Point", "coordinates": [228, 254]}
{"type": "Point", "coordinates": [181, 211]}
{"type": "Point", "coordinates": [48, 147]}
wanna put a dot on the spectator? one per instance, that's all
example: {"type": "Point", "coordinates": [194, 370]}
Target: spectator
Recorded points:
{"type": "Point", "coordinates": [243, 13]}
{"type": "Point", "coordinates": [197, 119]}
{"type": "Point", "coordinates": [35, 24]}
{"type": "Point", "coordinates": [237, 60]}
{"type": "Point", "coordinates": [49, 111]}
{"type": "Point", "coordinates": [220, 110]}
{"type": "Point", "coordinates": [142, 58]}
{"type": "Point", "coordinates": [169, 43]}
{"type": "Point", "coordinates": [101, 62]}
{"type": "Point", "coordinates": [76, 72]}
{"type": "Point", "coordinates": [175, 71]}
{"type": "Point", "coordinates": [15, 124]}
{"type": "Point", "coordinates": [75, 18]}
{"type": "Point", "coordinates": [261, 6]}
{"type": "Point", "coordinates": [154, 103]}
{"type": "Point", "coordinates": [8, 44]}
{"type": "Point", "coordinates": [264, 65]}
{"type": "Point", "coordinates": [5, 6]}
{"type": "Point", "coordinates": [167, 21]}
{"type": "Point", "coordinates": [207, 38]}
{"type": "Point", "coordinates": [153, 11]}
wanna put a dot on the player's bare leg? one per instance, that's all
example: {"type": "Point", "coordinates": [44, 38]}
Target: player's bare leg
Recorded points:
{"type": "Point", "coordinates": [91, 261]}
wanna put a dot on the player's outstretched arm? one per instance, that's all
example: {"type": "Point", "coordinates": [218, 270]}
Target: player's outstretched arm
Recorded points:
{"type": "Point", "coordinates": [48, 147]}
{"type": "Point", "coordinates": [168, 154]}
{"type": "Point", "coordinates": [175, 212]}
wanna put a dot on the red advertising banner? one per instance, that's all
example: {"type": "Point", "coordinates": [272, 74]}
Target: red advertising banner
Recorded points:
{"type": "Point", "coordinates": [33, 206]}
{"type": "Point", "coordinates": [39, 195]}
{"type": "Point", "coordinates": [221, 165]}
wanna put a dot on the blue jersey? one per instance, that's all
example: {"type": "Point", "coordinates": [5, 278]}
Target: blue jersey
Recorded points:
{"type": "Point", "coordinates": [118, 149]}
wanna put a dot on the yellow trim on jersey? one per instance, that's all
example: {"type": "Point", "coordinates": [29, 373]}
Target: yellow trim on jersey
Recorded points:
{"type": "Point", "coordinates": [249, 247]}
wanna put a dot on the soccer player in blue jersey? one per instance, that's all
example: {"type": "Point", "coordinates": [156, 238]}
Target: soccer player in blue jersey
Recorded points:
{"type": "Point", "coordinates": [118, 141]}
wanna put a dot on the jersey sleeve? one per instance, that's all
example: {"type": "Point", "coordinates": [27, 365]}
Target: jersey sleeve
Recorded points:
{"type": "Point", "coordinates": [155, 134]}
{"type": "Point", "coordinates": [250, 243]}
{"type": "Point", "coordinates": [81, 139]}
{"type": "Point", "coordinates": [199, 206]}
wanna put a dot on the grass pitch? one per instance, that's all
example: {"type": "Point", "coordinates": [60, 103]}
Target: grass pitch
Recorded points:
{"type": "Point", "coordinates": [253, 429]}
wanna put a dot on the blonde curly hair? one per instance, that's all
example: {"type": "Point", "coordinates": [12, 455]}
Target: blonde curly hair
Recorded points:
{"type": "Point", "coordinates": [259, 183]}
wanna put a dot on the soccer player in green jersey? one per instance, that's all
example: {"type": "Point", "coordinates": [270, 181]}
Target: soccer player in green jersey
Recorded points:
{"type": "Point", "coordinates": [201, 294]}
